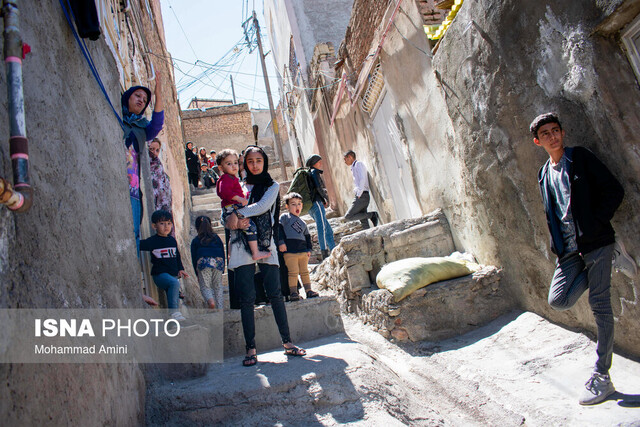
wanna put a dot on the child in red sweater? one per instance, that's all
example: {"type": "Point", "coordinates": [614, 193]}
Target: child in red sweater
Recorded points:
{"type": "Point", "coordinates": [233, 196]}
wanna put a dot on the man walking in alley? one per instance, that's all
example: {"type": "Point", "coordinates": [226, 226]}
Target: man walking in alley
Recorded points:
{"type": "Point", "coordinates": [358, 209]}
{"type": "Point", "coordinates": [580, 196]}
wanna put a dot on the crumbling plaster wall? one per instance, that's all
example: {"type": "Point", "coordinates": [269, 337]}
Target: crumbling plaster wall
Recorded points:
{"type": "Point", "coordinates": [500, 65]}
{"type": "Point", "coordinates": [465, 115]}
{"type": "Point", "coordinates": [319, 22]}
{"type": "Point", "coordinates": [75, 246]}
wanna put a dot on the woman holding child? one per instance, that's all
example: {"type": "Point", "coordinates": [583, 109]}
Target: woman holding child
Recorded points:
{"type": "Point", "coordinates": [263, 209]}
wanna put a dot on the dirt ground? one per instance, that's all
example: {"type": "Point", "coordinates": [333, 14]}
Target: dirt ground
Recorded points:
{"type": "Point", "coordinates": [518, 370]}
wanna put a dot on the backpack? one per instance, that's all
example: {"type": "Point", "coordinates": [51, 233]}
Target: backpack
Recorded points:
{"type": "Point", "coordinates": [302, 184]}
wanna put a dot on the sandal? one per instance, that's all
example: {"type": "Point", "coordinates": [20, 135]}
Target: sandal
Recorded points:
{"type": "Point", "coordinates": [312, 294]}
{"type": "Point", "coordinates": [294, 297]}
{"type": "Point", "coordinates": [295, 351]}
{"type": "Point", "coordinates": [250, 360]}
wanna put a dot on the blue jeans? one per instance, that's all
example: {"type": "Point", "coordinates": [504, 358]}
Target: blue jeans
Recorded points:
{"type": "Point", "coordinates": [575, 274]}
{"type": "Point", "coordinates": [325, 232]}
{"type": "Point", "coordinates": [244, 284]}
{"type": "Point", "coordinates": [136, 210]}
{"type": "Point", "coordinates": [171, 286]}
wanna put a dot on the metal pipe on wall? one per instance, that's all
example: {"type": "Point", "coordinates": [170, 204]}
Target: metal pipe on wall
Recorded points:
{"type": "Point", "coordinates": [20, 197]}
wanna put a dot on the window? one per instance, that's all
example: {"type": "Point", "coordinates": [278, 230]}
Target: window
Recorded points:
{"type": "Point", "coordinates": [631, 40]}
{"type": "Point", "coordinates": [374, 89]}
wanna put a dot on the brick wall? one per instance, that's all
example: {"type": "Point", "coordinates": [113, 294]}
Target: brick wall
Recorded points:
{"type": "Point", "coordinates": [218, 128]}
{"type": "Point", "coordinates": [365, 19]}
{"type": "Point", "coordinates": [430, 14]}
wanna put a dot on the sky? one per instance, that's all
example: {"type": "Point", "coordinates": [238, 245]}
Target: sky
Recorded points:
{"type": "Point", "coordinates": [207, 43]}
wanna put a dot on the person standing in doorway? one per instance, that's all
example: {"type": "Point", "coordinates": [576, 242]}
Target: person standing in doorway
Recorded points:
{"type": "Point", "coordinates": [358, 209]}
{"type": "Point", "coordinates": [580, 196]}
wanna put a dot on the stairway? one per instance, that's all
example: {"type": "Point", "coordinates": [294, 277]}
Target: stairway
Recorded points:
{"type": "Point", "coordinates": [308, 319]}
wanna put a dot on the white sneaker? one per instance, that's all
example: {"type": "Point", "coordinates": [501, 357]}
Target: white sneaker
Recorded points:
{"type": "Point", "coordinates": [598, 388]}
{"type": "Point", "coordinates": [178, 316]}
{"type": "Point", "coordinates": [622, 261]}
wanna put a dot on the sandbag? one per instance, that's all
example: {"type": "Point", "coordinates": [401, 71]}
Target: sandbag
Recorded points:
{"type": "Point", "coordinates": [405, 276]}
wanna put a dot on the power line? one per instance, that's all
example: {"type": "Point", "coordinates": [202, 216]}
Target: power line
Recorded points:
{"type": "Point", "coordinates": [183, 32]}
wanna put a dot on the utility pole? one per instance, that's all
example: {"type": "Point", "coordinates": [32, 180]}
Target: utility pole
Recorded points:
{"type": "Point", "coordinates": [233, 90]}
{"type": "Point", "coordinates": [274, 120]}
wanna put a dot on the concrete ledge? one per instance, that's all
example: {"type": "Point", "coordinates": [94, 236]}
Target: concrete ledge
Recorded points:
{"type": "Point", "coordinates": [308, 320]}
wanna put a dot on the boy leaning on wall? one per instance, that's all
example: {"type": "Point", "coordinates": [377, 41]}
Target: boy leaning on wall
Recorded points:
{"type": "Point", "coordinates": [580, 196]}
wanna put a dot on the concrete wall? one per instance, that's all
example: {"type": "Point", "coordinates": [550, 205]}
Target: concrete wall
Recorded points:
{"type": "Point", "coordinates": [308, 23]}
{"type": "Point", "coordinates": [319, 22]}
{"type": "Point", "coordinates": [464, 116]}
{"type": "Point", "coordinates": [75, 246]}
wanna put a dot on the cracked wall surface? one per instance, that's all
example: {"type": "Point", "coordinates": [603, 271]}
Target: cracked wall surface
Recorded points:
{"type": "Point", "coordinates": [465, 113]}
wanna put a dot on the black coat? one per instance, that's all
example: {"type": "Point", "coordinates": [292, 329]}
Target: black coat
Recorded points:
{"type": "Point", "coordinates": [193, 165]}
{"type": "Point", "coordinates": [595, 196]}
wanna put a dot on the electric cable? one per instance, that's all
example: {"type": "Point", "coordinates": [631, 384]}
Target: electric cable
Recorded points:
{"type": "Point", "coordinates": [88, 58]}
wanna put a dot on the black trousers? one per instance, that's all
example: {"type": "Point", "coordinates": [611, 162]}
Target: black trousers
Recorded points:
{"type": "Point", "coordinates": [246, 291]}
{"type": "Point", "coordinates": [193, 178]}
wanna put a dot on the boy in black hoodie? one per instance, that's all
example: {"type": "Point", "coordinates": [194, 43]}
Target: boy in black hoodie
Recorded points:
{"type": "Point", "coordinates": [580, 196]}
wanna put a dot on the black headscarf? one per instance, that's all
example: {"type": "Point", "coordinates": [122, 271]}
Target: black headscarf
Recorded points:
{"type": "Point", "coordinates": [312, 160]}
{"type": "Point", "coordinates": [260, 182]}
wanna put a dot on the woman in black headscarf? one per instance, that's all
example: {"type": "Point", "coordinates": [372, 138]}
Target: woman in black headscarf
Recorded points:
{"type": "Point", "coordinates": [193, 165]}
{"type": "Point", "coordinates": [263, 208]}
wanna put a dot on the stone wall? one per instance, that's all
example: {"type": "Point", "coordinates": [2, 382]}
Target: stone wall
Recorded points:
{"type": "Point", "coordinates": [436, 312]}
{"type": "Point", "coordinates": [441, 310]}
{"type": "Point", "coordinates": [356, 261]}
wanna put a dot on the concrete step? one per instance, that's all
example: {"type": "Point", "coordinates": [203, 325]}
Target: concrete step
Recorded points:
{"type": "Point", "coordinates": [212, 212]}
{"type": "Point", "coordinates": [202, 191]}
{"type": "Point", "coordinates": [205, 204]}
{"type": "Point", "coordinates": [341, 228]}
{"type": "Point", "coordinates": [309, 319]}
{"type": "Point", "coordinates": [205, 196]}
